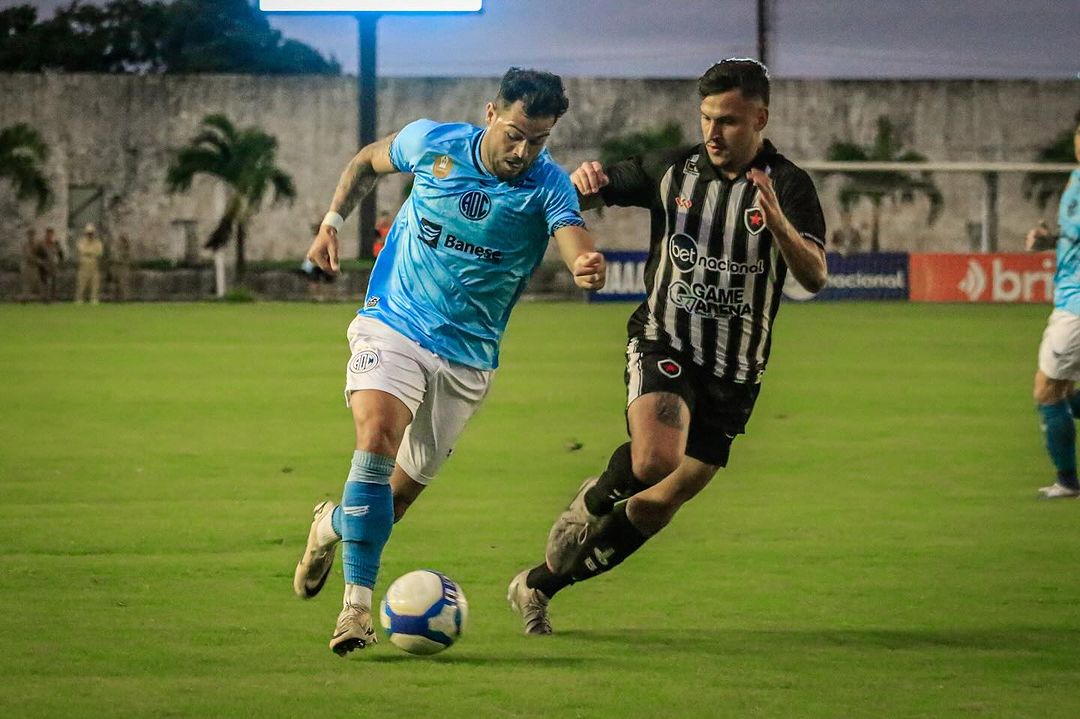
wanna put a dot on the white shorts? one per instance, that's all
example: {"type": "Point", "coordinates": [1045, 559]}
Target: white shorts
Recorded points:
{"type": "Point", "coordinates": [441, 395]}
{"type": "Point", "coordinates": [1059, 352]}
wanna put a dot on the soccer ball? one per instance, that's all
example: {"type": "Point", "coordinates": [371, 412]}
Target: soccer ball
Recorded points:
{"type": "Point", "coordinates": [423, 612]}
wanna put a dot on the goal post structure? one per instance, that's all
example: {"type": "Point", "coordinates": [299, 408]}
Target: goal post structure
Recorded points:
{"type": "Point", "coordinates": [367, 14]}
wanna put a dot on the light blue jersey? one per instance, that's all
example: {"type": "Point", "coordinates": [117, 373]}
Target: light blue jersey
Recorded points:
{"type": "Point", "coordinates": [1067, 277]}
{"type": "Point", "coordinates": [465, 243]}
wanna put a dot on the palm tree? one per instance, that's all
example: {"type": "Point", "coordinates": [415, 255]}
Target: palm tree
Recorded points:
{"type": "Point", "coordinates": [638, 143]}
{"type": "Point", "coordinates": [246, 161]}
{"type": "Point", "coordinates": [1042, 186]}
{"type": "Point", "coordinates": [22, 158]}
{"type": "Point", "coordinates": [898, 187]}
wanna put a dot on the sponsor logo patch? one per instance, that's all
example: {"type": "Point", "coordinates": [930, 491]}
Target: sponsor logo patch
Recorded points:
{"type": "Point", "coordinates": [442, 166]}
{"type": "Point", "coordinates": [683, 251]}
{"type": "Point", "coordinates": [684, 202]}
{"type": "Point", "coordinates": [363, 361]}
{"type": "Point", "coordinates": [754, 220]}
{"type": "Point", "coordinates": [669, 368]}
{"type": "Point", "coordinates": [475, 205]}
{"type": "Point", "coordinates": [690, 168]}
{"type": "Point", "coordinates": [429, 232]}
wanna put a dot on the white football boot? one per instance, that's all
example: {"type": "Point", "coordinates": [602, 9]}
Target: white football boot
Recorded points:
{"type": "Point", "coordinates": [315, 564]}
{"type": "Point", "coordinates": [1058, 491]}
{"type": "Point", "coordinates": [531, 604]}
{"type": "Point", "coordinates": [354, 630]}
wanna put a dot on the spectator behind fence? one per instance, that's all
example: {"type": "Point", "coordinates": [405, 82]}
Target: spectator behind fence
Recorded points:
{"type": "Point", "coordinates": [846, 239]}
{"type": "Point", "coordinates": [46, 263]}
{"type": "Point", "coordinates": [120, 268]}
{"type": "Point", "coordinates": [28, 274]}
{"type": "Point", "coordinates": [88, 279]}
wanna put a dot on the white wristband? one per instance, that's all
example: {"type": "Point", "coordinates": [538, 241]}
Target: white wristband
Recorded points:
{"type": "Point", "coordinates": [334, 220]}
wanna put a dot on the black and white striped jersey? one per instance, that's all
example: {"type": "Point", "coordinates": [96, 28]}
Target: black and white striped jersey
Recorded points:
{"type": "Point", "coordinates": [714, 277]}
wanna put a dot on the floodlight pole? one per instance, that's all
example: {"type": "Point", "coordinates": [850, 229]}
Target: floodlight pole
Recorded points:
{"type": "Point", "coordinates": [763, 32]}
{"type": "Point", "coordinates": [366, 88]}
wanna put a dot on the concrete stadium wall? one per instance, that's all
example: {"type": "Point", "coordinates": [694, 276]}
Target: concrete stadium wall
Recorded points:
{"type": "Point", "coordinates": [116, 132]}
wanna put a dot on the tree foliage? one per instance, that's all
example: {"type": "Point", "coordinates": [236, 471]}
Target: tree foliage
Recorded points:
{"type": "Point", "coordinates": [638, 143]}
{"type": "Point", "coordinates": [897, 187]}
{"type": "Point", "coordinates": [152, 36]}
{"type": "Point", "coordinates": [22, 158]}
{"type": "Point", "coordinates": [1044, 186]}
{"type": "Point", "coordinates": [245, 160]}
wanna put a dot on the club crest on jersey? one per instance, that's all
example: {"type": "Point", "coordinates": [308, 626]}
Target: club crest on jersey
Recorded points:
{"type": "Point", "coordinates": [669, 368]}
{"type": "Point", "coordinates": [442, 166]}
{"type": "Point", "coordinates": [363, 361]}
{"type": "Point", "coordinates": [754, 219]}
{"type": "Point", "coordinates": [690, 168]}
{"type": "Point", "coordinates": [372, 302]}
{"type": "Point", "coordinates": [475, 205]}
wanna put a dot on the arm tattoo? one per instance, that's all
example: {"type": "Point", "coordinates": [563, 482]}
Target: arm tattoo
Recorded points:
{"type": "Point", "coordinates": [353, 186]}
{"type": "Point", "coordinates": [669, 410]}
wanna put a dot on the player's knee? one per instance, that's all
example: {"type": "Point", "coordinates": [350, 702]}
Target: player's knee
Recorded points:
{"type": "Point", "coordinates": [377, 437]}
{"type": "Point", "coordinates": [651, 464]}
{"type": "Point", "coordinates": [1050, 392]}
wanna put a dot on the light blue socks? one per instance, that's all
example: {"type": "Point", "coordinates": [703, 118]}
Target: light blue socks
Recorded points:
{"type": "Point", "coordinates": [365, 517]}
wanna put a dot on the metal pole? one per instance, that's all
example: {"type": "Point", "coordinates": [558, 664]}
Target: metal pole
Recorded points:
{"type": "Point", "coordinates": [763, 31]}
{"type": "Point", "coordinates": [366, 81]}
{"type": "Point", "coordinates": [988, 239]}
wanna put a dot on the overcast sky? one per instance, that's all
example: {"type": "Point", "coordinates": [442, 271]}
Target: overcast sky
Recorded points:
{"type": "Point", "coordinates": [680, 38]}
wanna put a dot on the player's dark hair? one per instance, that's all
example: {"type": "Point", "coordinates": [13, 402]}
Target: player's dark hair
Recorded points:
{"type": "Point", "coordinates": [541, 93]}
{"type": "Point", "coordinates": [744, 74]}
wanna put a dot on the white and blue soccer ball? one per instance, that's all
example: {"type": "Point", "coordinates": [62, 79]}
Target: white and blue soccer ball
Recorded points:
{"type": "Point", "coordinates": [424, 612]}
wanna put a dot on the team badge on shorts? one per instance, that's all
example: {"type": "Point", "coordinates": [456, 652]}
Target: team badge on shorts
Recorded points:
{"type": "Point", "coordinates": [754, 219]}
{"type": "Point", "coordinates": [364, 361]}
{"type": "Point", "coordinates": [669, 368]}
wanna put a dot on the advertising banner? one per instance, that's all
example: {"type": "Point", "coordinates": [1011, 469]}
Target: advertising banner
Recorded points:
{"type": "Point", "coordinates": [625, 278]}
{"type": "Point", "coordinates": [879, 276]}
{"type": "Point", "coordinates": [1001, 277]}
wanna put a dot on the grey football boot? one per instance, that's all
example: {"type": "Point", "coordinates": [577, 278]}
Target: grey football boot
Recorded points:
{"type": "Point", "coordinates": [570, 530]}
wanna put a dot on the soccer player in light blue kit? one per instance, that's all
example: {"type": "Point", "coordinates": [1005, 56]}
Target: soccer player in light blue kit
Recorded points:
{"type": "Point", "coordinates": [458, 256]}
{"type": "Point", "coordinates": [1059, 353]}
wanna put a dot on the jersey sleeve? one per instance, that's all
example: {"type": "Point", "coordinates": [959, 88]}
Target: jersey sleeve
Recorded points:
{"type": "Point", "coordinates": [561, 206]}
{"type": "Point", "coordinates": [635, 181]}
{"type": "Point", "coordinates": [629, 184]}
{"type": "Point", "coordinates": [799, 201]}
{"type": "Point", "coordinates": [409, 145]}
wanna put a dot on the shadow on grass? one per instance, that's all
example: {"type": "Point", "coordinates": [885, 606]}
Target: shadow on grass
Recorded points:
{"type": "Point", "coordinates": [744, 640]}
{"type": "Point", "coordinates": [526, 662]}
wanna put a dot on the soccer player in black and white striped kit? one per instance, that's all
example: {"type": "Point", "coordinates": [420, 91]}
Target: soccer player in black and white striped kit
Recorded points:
{"type": "Point", "coordinates": [730, 218]}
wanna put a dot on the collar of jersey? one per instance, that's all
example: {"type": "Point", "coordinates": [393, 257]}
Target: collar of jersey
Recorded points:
{"type": "Point", "coordinates": [474, 152]}
{"type": "Point", "coordinates": [761, 161]}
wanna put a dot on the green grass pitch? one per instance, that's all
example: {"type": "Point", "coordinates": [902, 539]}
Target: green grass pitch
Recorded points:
{"type": "Point", "coordinates": [874, 550]}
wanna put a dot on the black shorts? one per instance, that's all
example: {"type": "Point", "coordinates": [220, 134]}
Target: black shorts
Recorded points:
{"type": "Point", "coordinates": [719, 409]}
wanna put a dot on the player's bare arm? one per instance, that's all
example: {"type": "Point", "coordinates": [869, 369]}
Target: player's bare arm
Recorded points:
{"type": "Point", "coordinates": [356, 182]}
{"type": "Point", "coordinates": [804, 257]}
{"type": "Point", "coordinates": [579, 253]}
{"type": "Point", "coordinates": [589, 179]}
{"type": "Point", "coordinates": [1040, 238]}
